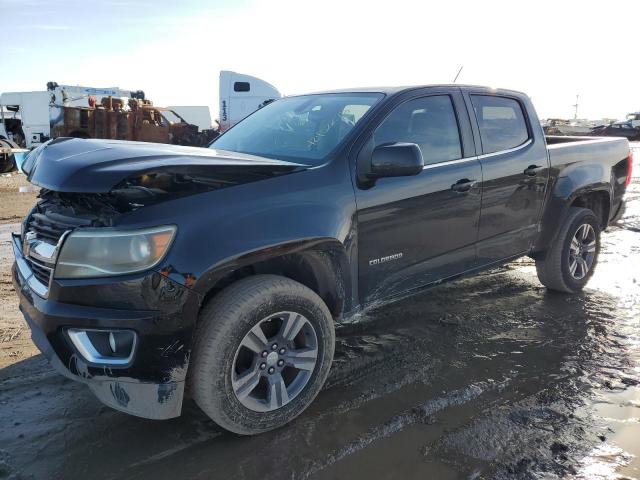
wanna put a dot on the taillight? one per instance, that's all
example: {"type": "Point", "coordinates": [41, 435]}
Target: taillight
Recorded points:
{"type": "Point", "coordinates": [629, 168]}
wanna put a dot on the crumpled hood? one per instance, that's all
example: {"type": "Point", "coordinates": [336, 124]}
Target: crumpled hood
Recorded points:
{"type": "Point", "coordinates": [97, 166]}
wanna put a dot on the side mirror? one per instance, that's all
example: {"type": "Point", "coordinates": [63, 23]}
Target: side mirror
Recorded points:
{"type": "Point", "coordinates": [396, 160]}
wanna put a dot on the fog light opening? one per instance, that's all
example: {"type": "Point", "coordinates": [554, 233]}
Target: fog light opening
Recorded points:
{"type": "Point", "coordinates": [104, 347]}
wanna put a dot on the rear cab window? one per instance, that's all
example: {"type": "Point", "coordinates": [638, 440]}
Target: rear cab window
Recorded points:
{"type": "Point", "coordinates": [501, 122]}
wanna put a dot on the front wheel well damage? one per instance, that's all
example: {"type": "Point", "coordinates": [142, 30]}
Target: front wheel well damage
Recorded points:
{"type": "Point", "coordinates": [316, 269]}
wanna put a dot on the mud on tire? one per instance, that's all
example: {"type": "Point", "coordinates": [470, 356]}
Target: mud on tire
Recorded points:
{"type": "Point", "coordinates": [554, 267]}
{"type": "Point", "coordinates": [229, 326]}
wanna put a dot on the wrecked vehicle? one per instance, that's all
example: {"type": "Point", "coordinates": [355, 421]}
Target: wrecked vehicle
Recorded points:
{"type": "Point", "coordinates": [618, 129]}
{"type": "Point", "coordinates": [25, 117]}
{"type": "Point", "coordinates": [137, 119]}
{"type": "Point", "coordinates": [8, 151]}
{"type": "Point", "coordinates": [145, 268]}
{"type": "Point", "coordinates": [28, 119]}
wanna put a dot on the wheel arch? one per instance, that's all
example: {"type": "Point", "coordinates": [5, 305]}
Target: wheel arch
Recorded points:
{"type": "Point", "coordinates": [321, 265]}
{"type": "Point", "coordinates": [596, 197]}
{"type": "Point", "coordinates": [598, 201]}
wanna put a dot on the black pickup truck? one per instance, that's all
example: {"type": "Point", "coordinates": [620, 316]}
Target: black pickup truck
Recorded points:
{"type": "Point", "coordinates": [145, 269]}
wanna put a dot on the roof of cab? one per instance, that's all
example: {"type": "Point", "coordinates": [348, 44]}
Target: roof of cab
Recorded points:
{"type": "Point", "coordinates": [396, 90]}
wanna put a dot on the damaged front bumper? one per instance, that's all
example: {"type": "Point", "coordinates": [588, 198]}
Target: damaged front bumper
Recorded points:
{"type": "Point", "coordinates": [151, 385]}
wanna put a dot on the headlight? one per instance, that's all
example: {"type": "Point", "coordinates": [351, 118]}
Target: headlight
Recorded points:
{"type": "Point", "coordinates": [103, 253]}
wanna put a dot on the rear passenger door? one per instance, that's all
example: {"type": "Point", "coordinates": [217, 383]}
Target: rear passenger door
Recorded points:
{"type": "Point", "coordinates": [416, 230]}
{"type": "Point", "coordinates": [515, 172]}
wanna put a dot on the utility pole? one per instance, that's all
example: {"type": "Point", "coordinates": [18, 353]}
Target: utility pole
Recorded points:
{"type": "Point", "coordinates": [575, 115]}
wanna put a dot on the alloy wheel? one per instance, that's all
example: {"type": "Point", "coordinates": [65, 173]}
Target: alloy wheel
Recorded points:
{"type": "Point", "coordinates": [274, 361]}
{"type": "Point", "coordinates": [582, 251]}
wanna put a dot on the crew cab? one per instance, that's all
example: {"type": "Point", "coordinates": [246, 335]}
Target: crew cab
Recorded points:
{"type": "Point", "coordinates": [144, 268]}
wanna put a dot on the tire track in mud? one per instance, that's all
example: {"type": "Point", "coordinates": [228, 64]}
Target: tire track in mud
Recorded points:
{"type": "Point", "coordinates": [596, 308]}
{"type": "Point", "coordinates": [420, 414]}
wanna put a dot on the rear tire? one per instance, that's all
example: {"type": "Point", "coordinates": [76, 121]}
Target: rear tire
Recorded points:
{"type": "Point", "coordinates": [571, 259]}
{"type": "Point", "coordinates": [234, 378]}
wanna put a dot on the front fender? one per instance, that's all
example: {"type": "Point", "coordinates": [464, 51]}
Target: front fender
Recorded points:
{"type": "Point", "coordinates": [320, 263]}
{"type": "Point", "coordinates": [306, 216]}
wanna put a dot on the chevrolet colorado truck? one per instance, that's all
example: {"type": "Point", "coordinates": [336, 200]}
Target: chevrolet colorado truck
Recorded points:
{"type": "Point", "coordinates": [148, 270]}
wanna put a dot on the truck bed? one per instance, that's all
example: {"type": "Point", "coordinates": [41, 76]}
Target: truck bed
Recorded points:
{"type": "Point", "coordinates": [601, 151]}
{"type": "Point", "coordinates": [595, 153]}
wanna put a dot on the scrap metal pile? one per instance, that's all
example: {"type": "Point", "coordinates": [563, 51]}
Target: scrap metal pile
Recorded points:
{"type": "Point", "coordinates": [137, 120]}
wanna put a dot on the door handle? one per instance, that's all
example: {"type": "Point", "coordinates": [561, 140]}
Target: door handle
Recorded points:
{"type": "Point", "coordinates": [463, 185]}
{"type": "Point", "coordinates": [533, 170]}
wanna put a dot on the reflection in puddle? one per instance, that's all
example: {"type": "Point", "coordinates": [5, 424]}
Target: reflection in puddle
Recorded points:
{"type": "Point", "coordinates": [616, 403]}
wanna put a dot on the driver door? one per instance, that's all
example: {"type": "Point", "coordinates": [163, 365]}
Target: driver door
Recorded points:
{"type": "Point", "coordinates": [416, 230]}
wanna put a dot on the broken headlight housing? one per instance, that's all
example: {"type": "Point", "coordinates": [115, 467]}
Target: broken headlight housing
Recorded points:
{"type": "Point", "coordinates": [105, 253]}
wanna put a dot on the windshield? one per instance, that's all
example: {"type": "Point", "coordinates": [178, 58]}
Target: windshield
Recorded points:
{"type": "Point", "coordinates": [308, 127]}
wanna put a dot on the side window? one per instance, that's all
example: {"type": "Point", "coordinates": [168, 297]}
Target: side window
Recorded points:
{"type": "Point", "coordinates": [501, 122]}
{"type": "Point", "coordinates": [241, 87]}
{"type": "Point", "coordinates": [429, 122]}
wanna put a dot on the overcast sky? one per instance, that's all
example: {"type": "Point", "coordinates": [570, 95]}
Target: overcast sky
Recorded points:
{"type": "Point", "coordinates": [174, 50]}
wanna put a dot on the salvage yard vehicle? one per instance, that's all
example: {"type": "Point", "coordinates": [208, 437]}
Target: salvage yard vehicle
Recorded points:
{"type": "Point", "coordinates": [629, 128]}
{"type": "Point", "coordinates": [633, 119]}
{"type": "Point", "coordinates": [618, 129]}
{"type": "Point", "coordinates": [137, 119]}
{"type": "Point", "coordinates": [147, 268]}
{"type": "Point", "coordinates": [31, 118]}
{"type": "Point", "coordinates": [8, 151]}
{"type": "Point", "coordinates": [28, 119]}
{"type": "Point", "coordinates": [25, 117]}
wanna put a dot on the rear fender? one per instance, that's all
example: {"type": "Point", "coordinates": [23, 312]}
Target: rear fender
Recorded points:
{"type": "Point", "coordinates": [562, 197]}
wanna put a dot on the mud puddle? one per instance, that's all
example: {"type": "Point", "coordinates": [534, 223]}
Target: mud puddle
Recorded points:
{"type": "Point", "coordinates": [488, 377]}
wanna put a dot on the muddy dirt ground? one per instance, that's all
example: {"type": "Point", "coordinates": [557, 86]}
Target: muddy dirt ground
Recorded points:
{"type": "Point", "coordinates": [488, 377]}
{"type": "Point", "coordinates": [15, 339]}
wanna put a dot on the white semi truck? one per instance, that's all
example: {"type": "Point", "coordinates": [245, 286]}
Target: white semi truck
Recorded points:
{"type": "Point", "coordinates": [241, 95]}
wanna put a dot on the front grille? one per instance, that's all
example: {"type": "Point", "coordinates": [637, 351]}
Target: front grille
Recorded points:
{"type": "Point", "coordinates": [50, 226]}
{"type": "Point", "coordinates": [47, 227]}
{"type": "Point", "coordinates": [41, 272]}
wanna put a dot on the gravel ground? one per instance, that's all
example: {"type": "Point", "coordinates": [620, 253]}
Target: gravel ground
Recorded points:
{"type": "Point", "coordinates": [488, 377]}
{"type": "Point", "coordinates": [15, 339]}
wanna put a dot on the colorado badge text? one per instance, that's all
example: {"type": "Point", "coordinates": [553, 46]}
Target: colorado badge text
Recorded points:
{"type": "Point", "coordinates": [378, 261]}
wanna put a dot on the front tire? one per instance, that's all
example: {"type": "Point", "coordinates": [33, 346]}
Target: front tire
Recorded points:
{"type": "Point", "coordinates": [570, 261]}
{"type": "Point", "coordinates": [263, 351]}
